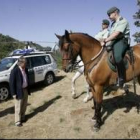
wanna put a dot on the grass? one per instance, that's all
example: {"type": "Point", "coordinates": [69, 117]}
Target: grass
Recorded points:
{"type": "Point", "coordinates": [58, 58]}
{"type": "Point", "coordinates": [44, 102]}
{"type": "Point", "coordinates": [62, 120]}
{"type": "Point", "coordinates": [11, 123]}
{"type": "Point", "coordinates": [31, 109]}
{"type": "Point", "coordinates": [77, 129]}
{"type": "Point", "coordinates": [58, 93]}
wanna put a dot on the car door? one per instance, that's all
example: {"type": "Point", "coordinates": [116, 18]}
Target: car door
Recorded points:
{"type": "Point", "coordinates": [30, 71]}
{"type": "Point", "coordinates": [38, 64]}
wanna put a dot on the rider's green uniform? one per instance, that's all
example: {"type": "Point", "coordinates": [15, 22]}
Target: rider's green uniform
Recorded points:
{"type": "Point", "coordinates": [121, 43]}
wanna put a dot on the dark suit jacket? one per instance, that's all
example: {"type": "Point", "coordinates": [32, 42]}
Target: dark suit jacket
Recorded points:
{"type": "Point", "coordinates": [16, 81]}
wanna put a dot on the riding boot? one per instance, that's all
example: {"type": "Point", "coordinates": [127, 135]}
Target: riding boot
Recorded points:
{"type": "Point", "coordinates": [121, 73]}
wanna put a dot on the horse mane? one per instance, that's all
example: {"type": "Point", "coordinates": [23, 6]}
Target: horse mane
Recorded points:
{"type": "Point", "coordinates": [74, 33]}
{"type": "Point", "coordinates": [87, 35]}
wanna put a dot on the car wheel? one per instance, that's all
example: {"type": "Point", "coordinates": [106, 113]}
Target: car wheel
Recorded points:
{"type": "Point", "coordinates": [49, 79]}
{"type": "Point", "coordinates": [4, 92]}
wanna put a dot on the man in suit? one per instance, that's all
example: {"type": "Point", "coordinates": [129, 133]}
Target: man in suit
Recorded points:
{"type": "Point", "coordinates": [19, 86]}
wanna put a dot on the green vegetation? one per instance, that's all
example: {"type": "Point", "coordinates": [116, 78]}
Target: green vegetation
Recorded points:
{"type": "Point", "coordinates": [58, 59]}
{"type": "Point", "coordinates": [78, 129]}
{"type": "Point", "coordinates": [31, 109]}
{"type": "Point", "coordinates": [11, 123]}
{"type": "Point", "coordinates": [62, 120]}
{"type": "Point", "coordinates": [9, 44]}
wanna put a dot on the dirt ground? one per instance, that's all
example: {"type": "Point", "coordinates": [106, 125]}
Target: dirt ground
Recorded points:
{"type": "Point", "coordinates": [53, 113]}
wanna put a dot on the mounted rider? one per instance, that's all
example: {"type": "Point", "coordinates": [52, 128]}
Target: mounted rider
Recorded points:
{"type": "Point", "coordinates": [118, 41]}
{"type": "Point", "coordinates": [104, 33]}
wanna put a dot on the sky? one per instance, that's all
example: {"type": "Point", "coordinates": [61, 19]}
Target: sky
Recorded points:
{"type": "Point", "coordinates": [39, 20]}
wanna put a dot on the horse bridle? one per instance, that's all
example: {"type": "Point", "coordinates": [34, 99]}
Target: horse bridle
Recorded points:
{"type": "Point", "coordinates": [70, 51]}
{"type": "Point", "coordinates": [71, 55]}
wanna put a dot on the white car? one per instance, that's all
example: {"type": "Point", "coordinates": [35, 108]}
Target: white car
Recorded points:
{"type": "Point", "coordinates": [41, 67]}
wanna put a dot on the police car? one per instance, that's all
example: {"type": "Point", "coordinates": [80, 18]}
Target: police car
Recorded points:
{"type": "Point", "coordinates": [41, 67]}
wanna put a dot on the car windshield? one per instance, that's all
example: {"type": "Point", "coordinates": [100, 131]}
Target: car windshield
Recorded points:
{"type": "Point", "coordinates": [6, 63]}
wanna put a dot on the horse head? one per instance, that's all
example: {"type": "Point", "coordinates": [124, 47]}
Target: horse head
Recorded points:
{"type": "Point", "coordinates": [69, 51]}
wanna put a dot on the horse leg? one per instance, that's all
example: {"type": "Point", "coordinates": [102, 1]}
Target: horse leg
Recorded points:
{"type": "Point", "coordinates": [94, 118]}
{"type": "Point", "coordinates": [94, 105]}
{"type": "Point", "coordinates": [76, 76]}
{"type": "Point", "coordinates": [98, 97]}
{"type": "Point", "coordinates": [97, 116]}
{"type": "Point", "coordinates": [88, 96]}
{"type": "Point", "coordinates": [137, 96]}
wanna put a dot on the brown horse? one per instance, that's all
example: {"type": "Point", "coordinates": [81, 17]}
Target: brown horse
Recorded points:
{"type": "Point", "coordinates": [97, 71]}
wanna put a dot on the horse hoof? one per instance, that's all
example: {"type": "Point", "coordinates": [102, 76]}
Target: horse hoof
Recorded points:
{"type": "Point", "coordinates": [127, 91]}
{"type": "Point", "coordinates": [93, 119]}
{"type": "Point", "coordinates": [93, 107]}
{"type": "Point", "coordinates": [85, 100]}
{"type": "Point", "coordinates": [74, 96]}
{"type": "Point", "coordinates": [138, 108]}
{"type": "Point", "coordinates": [96, 127]}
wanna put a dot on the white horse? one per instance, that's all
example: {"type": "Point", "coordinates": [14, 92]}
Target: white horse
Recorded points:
{"type": "Point", "coordinates": [79, 72]}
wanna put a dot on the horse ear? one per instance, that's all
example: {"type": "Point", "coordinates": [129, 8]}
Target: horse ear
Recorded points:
{"type": "Point", "coordinates": [71, 31]}
{"type": "Point", "coordinates": [67, 35]}
{"type": "Point", "coordinates": [58, 36]}
{"type": "Point", "coordinates": [66, 32]}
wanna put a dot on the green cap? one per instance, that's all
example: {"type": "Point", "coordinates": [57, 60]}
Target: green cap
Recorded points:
{"type": "Point", "coordinates": [105, 21]}
{"type": "Point", "coordinates": [111, 10]}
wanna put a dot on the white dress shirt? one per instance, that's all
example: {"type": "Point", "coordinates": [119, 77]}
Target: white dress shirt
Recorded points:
{"type": "Point", "coordinates": [25, 84]}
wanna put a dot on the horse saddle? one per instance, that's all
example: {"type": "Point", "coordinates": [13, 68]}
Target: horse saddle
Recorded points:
{"type": "Point", "coordinates": [126, 60]}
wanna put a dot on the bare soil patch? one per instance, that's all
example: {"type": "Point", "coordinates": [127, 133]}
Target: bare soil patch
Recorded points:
{"type": "Point", "coordinates": [53, 113]}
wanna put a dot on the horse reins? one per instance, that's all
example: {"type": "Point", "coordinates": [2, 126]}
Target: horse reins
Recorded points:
{"type": "Point", "coordinates": [92, 59]}
{"type": "Point", "coordinates": [70, 51]}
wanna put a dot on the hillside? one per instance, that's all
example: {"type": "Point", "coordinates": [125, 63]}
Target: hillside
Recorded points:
{"type": "Point", "coordinates": [8, 44]}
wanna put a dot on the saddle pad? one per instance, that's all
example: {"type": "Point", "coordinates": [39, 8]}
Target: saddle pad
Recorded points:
{"type": "Point", "coordinates": [112, 65]}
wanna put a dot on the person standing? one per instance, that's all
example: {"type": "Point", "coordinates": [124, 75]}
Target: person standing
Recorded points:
{"type": "Point", "coordinates": [118, 41]}
{"type": "Point", "coordinates": [19, 86]}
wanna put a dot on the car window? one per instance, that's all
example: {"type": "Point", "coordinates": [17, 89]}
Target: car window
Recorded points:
{"type": "Point", "coordinates": [38, 61]}
{"type": "Point", "coordinates": [6, 63]}
{"type": "Point", "coordinates": [29, 63]}
{"type": "Point", "coordinates": [47, 59]}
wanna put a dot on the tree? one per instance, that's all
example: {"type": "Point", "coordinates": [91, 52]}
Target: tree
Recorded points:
{"type": "Point", "coordinates": [137, 23]}
{"type": "Point", "coordinates": [9, 44]}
